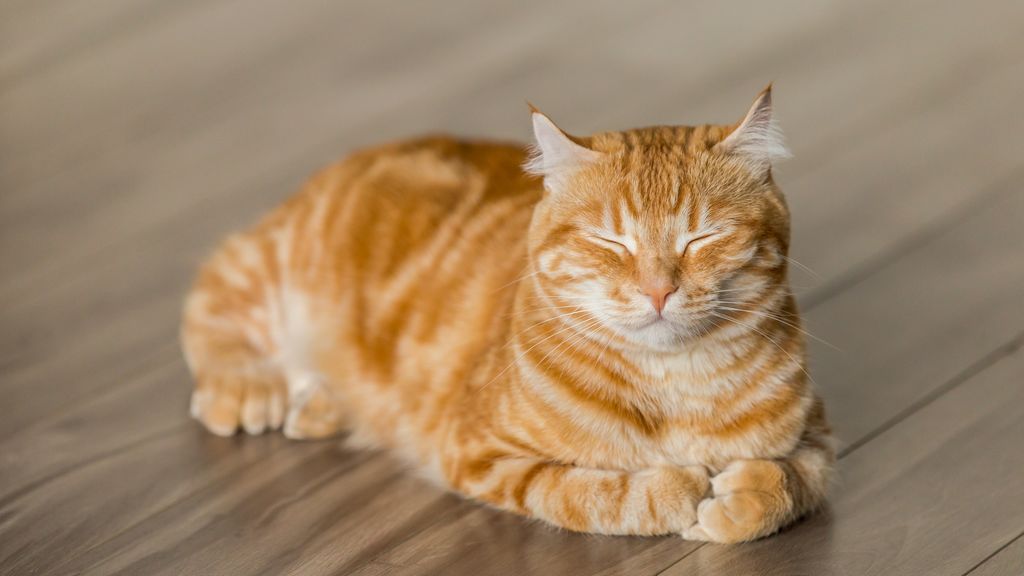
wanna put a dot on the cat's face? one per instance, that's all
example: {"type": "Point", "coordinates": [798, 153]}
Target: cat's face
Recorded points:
{"type": "Point", "coordinates": [659, 234]}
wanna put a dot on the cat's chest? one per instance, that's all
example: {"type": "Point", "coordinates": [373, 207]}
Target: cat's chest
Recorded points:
{"type": "Point", "coordinates": [688, 425]}
{"type": "Point", "coordinates": [703, 407]}
{"type": "Point", "coordinates": [678, 445]}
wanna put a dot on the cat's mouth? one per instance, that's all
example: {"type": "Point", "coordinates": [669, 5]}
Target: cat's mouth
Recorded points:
{"type": "Point", "coordinates": [654, 321]}
{"type": "Point", "coordinates": [668, 326]}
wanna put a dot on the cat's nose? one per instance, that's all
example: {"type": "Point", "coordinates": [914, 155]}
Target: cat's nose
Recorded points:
{"type": "Point", "coordinates": [658, 293]}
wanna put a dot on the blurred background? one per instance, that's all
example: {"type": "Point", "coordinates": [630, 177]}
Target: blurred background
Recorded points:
{"type": "Point", "coordinates": [136, 133]}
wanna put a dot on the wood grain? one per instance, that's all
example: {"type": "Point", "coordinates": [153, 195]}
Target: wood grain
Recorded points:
{"type": "Point", "coordinates": [134, 134]}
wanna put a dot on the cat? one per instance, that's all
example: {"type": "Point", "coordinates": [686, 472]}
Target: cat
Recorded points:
{"type": "Point", "coordinates": [599, 334]}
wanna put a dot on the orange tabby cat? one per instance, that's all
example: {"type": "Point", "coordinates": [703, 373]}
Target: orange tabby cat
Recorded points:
{"type": "Point", "coordinates": [605, 341]}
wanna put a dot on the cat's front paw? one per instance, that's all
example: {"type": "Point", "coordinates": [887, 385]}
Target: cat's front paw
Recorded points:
{"type": "Point", "coordinates": [749, 501]}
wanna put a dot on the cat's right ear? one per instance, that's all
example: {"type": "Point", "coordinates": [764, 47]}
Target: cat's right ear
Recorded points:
{"type": "Point", "coordinates": [556, 155]}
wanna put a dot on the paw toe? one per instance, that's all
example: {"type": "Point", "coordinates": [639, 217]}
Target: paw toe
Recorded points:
{"type": "Point", "coordinates": [748, 475]}
{"type": "Point", "coordinates": [223, 403]}
{"type": "Point", "coordinates": [314, 417]}
{"type": "Point", "coordinates": [276, 407]}
{"type": "Point", "coordinates": [697, 534]}
{"type": "Point", "coordinates": [219, 412]}
{"type": "Point", "coordinates": [254, 410]}
{"type": "Point", "coordinates": [736, 517]}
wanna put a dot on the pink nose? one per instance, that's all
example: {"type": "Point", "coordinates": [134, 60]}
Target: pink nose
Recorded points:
{"type": "Point", "coordinates": [658, 295]}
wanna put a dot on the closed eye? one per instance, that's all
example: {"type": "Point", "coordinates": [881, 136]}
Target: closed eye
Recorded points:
{"type": "Point", "coordinates": [619, 246]}
{"type": "Point", "coordinates": [698, 241]}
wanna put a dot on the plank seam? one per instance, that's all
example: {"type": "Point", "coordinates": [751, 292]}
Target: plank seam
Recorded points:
{"type": "Point", "coordinates": [997, 551]}
{"type": "Point", "coordinates": [970, 372]}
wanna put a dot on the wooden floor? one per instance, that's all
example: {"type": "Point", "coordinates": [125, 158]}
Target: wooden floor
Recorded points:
{"type": "Point", "coordinates": [135, 133]}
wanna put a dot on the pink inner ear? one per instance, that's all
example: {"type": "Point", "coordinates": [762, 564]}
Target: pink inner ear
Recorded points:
{"type": "Point", "coordinates": [757, 138]}
{"type": "Point", "coordinates": [555, 151]}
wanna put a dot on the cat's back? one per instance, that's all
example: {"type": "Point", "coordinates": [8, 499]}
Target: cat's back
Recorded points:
{"type": "Point", "coordinates": [409, 252]}
{"type": "Point", "coordinates": [434, 170]}
{"type": "Point", "coordinates": [401, 194]}
{"type": "Point", "coordinates": [379, 209]}
{"type": "Point", "coordinates": [425, 202]}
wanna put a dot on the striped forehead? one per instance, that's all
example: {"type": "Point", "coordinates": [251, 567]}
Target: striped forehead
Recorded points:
{"type": "Point", "coordinates": [655, 205]}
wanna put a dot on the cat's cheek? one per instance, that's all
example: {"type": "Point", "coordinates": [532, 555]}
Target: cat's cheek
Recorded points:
{"type": "Point", "coordinates": [618, 294]}
{"type": "Point", "coordinates": [548, 263]}
{"type": "Point", "coordinates": [714, 274]}
{"type": "Point", "coordinates": [699, 281]}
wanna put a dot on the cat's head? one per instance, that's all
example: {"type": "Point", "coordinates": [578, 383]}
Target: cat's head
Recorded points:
{"type": "Point", "coordinates": [658, 232]}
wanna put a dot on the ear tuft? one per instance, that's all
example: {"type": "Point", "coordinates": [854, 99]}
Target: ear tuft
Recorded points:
{"type": "Point", "coordinates": [555, 155]}
{"type": "Point", "coordinates": [757, 139]}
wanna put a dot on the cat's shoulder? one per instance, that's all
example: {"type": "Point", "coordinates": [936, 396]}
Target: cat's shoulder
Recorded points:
{"type": "Point", "coordinates": [447, 149]}
{"type": "Point", "coordinates": [441, 158]}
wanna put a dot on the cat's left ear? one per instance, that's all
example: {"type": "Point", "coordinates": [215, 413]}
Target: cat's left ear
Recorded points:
{"type": "Point", "coordinates": [757, 139]}
{"type": "Point", "coordinates": [556, 155]}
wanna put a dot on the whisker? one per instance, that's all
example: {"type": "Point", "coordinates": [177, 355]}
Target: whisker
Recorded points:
{"type": "Point", "coordinates": [545, 321]}
{"type": "Point", "coordinates": [517, 314]}
{"type": "Point", "coordinates": [766, 337]}
{"type": "Point", "coordinates": [578, 338]}
{"type": "Point", "coordinates": [520, 279]}
{"type": "Point", "coordinates": [781, 320]}
{"type": "Point", "coordinates": [739, 303]}
{"type": "Point", "coordinates": [754, 289]}
{"type": "Point", "coordinates": [546, 298]}
{"type": "Point", "coordinates": [517, 358]}
{"type": "Point", "coordinates": [795, 289]}
{"type": "Point", "coordinates": [804, 267]}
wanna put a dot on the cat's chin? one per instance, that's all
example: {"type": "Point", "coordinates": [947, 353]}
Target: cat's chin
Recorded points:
{"type": "Point", "coordinates": [662, 335]}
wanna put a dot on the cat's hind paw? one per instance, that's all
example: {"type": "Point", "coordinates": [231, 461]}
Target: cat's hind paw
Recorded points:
{"type": "Point", "coordinates": [314, 414]}
{"type": "Point", "coordinates": [225, 402]}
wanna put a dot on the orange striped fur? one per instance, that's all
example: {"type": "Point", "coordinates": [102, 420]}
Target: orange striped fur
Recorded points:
{"type": "Point", "coordinates": [605, 341]}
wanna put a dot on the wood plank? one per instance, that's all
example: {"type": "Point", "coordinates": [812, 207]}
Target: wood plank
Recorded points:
{"type": "Point", "coordinates": [922, 318]}
{"type": "Point", "coordinates": [138, 139]}
{"type": "Point", "coordinates": [168, 477]}
{"type": "Point", "coordinates": [934, 496]}
{"type": "Point", "coordinates": [1008, 561]}
{"type": "Point", "coordinates": [882, 191]}
{"type": "Point", "coordinates": [38, 34]}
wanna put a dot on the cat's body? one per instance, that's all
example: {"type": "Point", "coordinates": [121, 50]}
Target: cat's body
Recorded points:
{"type": "Point", "coordinates": [432, 298]}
